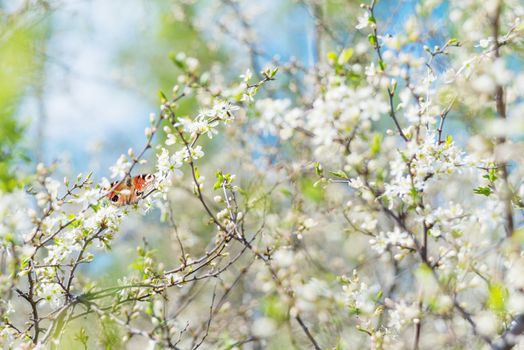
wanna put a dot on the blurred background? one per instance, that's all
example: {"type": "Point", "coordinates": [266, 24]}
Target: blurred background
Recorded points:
{"type": "Point", "coordinates": [84, 74]}
{"type": "Point", "coordinates": [80, 77]}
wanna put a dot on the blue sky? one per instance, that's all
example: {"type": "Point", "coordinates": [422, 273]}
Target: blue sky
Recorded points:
{"type": "Point", "coordinates": [94, 108]}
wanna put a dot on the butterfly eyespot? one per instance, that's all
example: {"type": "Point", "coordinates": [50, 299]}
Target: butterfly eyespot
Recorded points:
{"type": "Point", "coordinates": [150, 177]}
{"type": "Point", "coordinates": [139, 193]}
{"type": "Point", "coordinates": [115, 198]}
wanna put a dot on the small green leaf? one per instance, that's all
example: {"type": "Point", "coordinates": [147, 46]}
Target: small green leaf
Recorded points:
{"type": "Point", "coordinates": [318, 169]}
{"type": "Point", "coordinates": [483, 190]}
{"type": "Point", "coordinates": [9, 237]}
{"type": "Point", "coordinates": [413, 192]}
{"type": "Point", "coordinates": [372, 40]}
{"type": "Point", "coordinates": [220, 180]}
{"type": "Point", "coordinates": [497, 297]}
{"type": "Point", "coordinates": [449, 139]}
{"type": "Point", "coordinates": [162, 96]}
{"type": "Point", "coordinates": [375, 144]}
{"type": "Point", "coordinates": [82, 337]}
{"type": "Point", "coordinates": [197, 173]}
{"type": "Point", "coordinates": [286, 192]}
{"type": "Point", "coordinates": [382, 65]}
{"type": "Point", "coordinates": [404, 157]}
{"type": "Point", "coordinates": [492, 175]}
{"type": "Point", "coordinates": [340, 174]}
{"type": "Point", "coordinates": [345, 56]}
{"type": "Point", "coordinates": [177, 62]}
{"type": "Point", "coordinates": [378, 296]}
{"type": "Point", "coordinates": [269, 73]}
{"type": "Point", "coordinates": [332, 56]}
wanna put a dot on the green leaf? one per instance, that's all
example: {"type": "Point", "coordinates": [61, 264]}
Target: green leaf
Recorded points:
{"type": "Point", "coordinates": [318, 169]}
{"type": "Point", "coordinates": [382, 65]}
{"type": "Point", "coordinates": [332, 56]}
{"type": "Point", "coordinates": [286, 192]}
{"type": "Point", "coordinates": [220, 180]}
{"type": "Point", "coordinates": [372, 40]}
{"type": "Point", "coordinates": [449, 139]}
{"type": "Point", "coordinates": [483, 190]}
{"type": "Point", "coordinates": [413, 192]}
{"type": "Point", "coordinates": [492, 174]}
{"type": "Point", "coordinates": [162, 96]}
{"type": "Point", "coordinates": [375, 144]}
{"type": "Point", "coordinates": [197, 173]}
{"type": "Point", "coordinates": [9, 237]}
{"type": "Point", "coordinates": [82, 337]}
{"type": "Point", "coordinates": [497, 297]}
{"type": "Point", "coordinates": [269, 73]}
{"type": "Point", "coordinates": [378, 296]}
{"type": "Point", "coordinates": [315, 194]}
{"type": "Point", "coordinates": [340, 174]}
{"type": "Point", "coordinates": [179, 63]}
{"type": "Point", "coordinates": [345, 56]}
{"type": "Point", "coordinates": [24, 264]}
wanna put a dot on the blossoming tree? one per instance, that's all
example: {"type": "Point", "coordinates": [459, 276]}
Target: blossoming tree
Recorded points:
{"type": "Point", "coordinates": [371, 200]}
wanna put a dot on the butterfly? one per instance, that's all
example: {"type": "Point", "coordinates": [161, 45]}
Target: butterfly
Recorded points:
{"type": "Point", "coordinates": [131, 190]}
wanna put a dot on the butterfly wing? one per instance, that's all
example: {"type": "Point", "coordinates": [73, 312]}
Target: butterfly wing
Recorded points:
{"type": "Point", "coordinates": [142, 185]}
{"type": "Point", "coordinates": [132, 190]}
{"type": "Point", "coordinates": [143, 182]}
{"type": "Point", "coordinates": [120, 192]}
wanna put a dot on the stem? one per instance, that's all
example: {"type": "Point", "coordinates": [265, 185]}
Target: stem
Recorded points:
{"type": "Point", "coordinates": [391, 93]}
{"type": "Point", "coordinates": [501, 111]}
{"type": "Point", "coordinates": [308, 333]}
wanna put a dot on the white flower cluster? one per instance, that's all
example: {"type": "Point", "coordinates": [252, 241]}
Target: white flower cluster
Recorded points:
{"type": "Point", "coordinates": [360, 297]}
{"type": "Point", "coordinates": [121, 168]}
{"type": "Point", "coordinates": [420, 162]}
{"type": "Point", "coordinates": [340, 111]}
{"type": "Point", "coordinates": [402, 314]}
{"type": "Point", "coordinates": [167, 165]}
{"type": "Point", "coordinates": [277, 118]}
{"type": "Point", "coordinates": [450, 220]}
{"type": "Point", "coordinates": [49, 193]}
{"type": "Point", "coordinates": [15, 213]}
{"type": "Point", "coordinates": [434, 238]}
{"type": "Point", "coordinates": [395, 238]}
{"type": "Point", "coordinates": [205, 122]}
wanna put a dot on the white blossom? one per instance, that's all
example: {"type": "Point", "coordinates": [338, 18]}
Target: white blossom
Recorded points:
{"type": "Point", "coordinates": [120, 169]}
